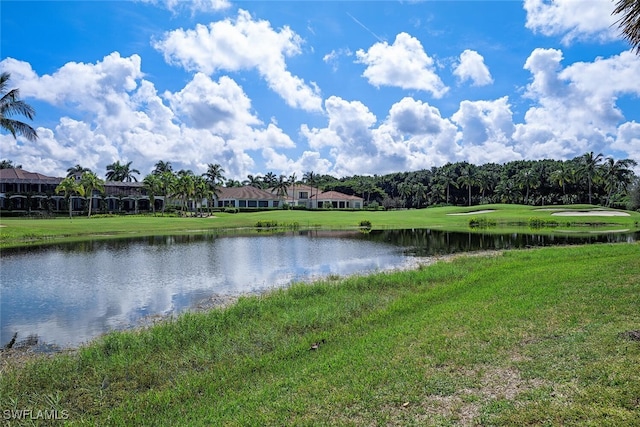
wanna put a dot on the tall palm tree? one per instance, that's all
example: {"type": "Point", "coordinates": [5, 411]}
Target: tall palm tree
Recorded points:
{"type": "Point", "coordinates": [527, 179]}
{"type": "Point", "coordinates": [467, 178]}
{"type": "Point", "coordinates": [153, 185]}
{"type": "Point", "coordinates": [161, 167]}
{"type": "Point", "coordinates": [270, 179]}
{"type": "Point", "coordinates": [11, 105]}
{"type": "Point", "coordinates": [310, 179]}
{"type": "Point", "coordinates": [254, 181]}
{"type": "Point", "coordinates": [184, 186]}
{"type": "Point", "coordinates": [121, 172]}
{"type": "Point", "coordinates": [214, 178]}
{"type": "Point", "coordinates": [214, 174]}
{"type": "Point", "coordinates": [90, 182]}
{"type": "Point", "coordinates": [617, 175]}
{"type": "Point", "coordinates": [447, 178]}
{"type": "Point", "coordinates": [629, 21]}
{"type": "Point", "coordinates": [202, 189]}
{"type": "Point", "coordinates": [590, 164]}
{"type": "Point", "coordinates": [562, 176]}
{"type": "Point", "coordinates": [167, 184]}
{"type": "Point", "coordinates": [77, 170]}
{"type": "Point", "coordinates": [293, 179]}
{"type": "Point", "coordinates": [69, 187]}
{"type": "Point", "coordinates": [280, 187]}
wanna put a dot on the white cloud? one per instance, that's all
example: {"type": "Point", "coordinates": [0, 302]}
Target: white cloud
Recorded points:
{"type": "Point", "coordinates": [117, 115]}
{"type": "Point", "coordinates": [575, 108]}
{"type": "Point", "coordinates": [571, 19]}
{"type": "Point", "coordinates": [193, 5]}
{"type": "Point", "coordinates": [243, 44]}
{"type": "Point", "coordinates": [472, 67]}
{"type": "Point", "coordinates": [403, 64]}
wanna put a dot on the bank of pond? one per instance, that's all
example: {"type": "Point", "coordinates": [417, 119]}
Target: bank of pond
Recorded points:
{"type": "Point", "coordinates": [64, 295]}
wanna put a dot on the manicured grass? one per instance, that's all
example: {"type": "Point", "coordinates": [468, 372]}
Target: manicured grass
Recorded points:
{"type": "Point", "coordinates": [529, 337]}
{"type": "Point", "coordinates": [20, 232]}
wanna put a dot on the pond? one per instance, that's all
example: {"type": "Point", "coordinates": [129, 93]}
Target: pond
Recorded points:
{"type": "Point", "coordinates": [65, 295]}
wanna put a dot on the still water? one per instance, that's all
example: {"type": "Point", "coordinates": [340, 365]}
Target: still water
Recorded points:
{"type": "Point", "coordinates": [66, 295]}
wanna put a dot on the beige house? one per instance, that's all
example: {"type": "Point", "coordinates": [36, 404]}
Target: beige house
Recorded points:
{"type": "Point", "coordinates": [312, 198]}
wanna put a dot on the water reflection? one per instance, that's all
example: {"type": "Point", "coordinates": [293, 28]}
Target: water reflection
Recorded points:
{"type": "Point", "coordinates": [68, 294]}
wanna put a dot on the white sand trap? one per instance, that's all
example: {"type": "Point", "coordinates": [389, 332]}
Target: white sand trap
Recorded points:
{"type": "Point", "coordinates": [474, 212]}
{"type": "Point", "coordinates": [590, 213]}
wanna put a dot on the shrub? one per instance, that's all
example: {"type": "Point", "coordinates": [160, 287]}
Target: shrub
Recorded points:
{"type": "Point", "coordinates": [482, 222]}
{"type": "Point", "coordinates": [365, 224]}
{"type": "Point", "coordinates": [540, 223]}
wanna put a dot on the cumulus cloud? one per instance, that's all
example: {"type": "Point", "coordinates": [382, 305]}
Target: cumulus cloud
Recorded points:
{"type": "Point", "coordinates": [243, 44]}
{"type": "Point", "coordinates": [403, 64]}
{"type": "Point", "coordinates": [574, 107]}
{"type": "Point", "coordinates": [118, 115]}
{"type": "Point", "coordinates": [572, 20]}
{"type": "Point", "coordinates": [471, 67]}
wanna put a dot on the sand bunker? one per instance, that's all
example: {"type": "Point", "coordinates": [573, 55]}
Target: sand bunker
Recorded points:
{"type": "Point", "coordinates": [590, 213]}
{"type": "Point", "coordinates": [473, 212]}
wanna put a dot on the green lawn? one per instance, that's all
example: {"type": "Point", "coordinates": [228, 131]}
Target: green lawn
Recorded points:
{"type": "Point", "coordinates": [20, 232]}
{"type": "Point", "coordinates": [527, 337]}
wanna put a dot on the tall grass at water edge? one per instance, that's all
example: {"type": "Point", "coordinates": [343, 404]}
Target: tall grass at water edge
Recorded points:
{"type": "Point", "coordinates": [531, 337]}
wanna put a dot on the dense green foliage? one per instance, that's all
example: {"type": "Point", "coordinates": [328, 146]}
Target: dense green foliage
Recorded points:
{"type": "Point", "coordinates": [532, 337]}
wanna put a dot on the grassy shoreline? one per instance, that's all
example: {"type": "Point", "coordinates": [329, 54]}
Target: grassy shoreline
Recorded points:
{"type": "Point", "coordinates": [525, 337]}
{"type": "Point", "coordinates": [19, 232]}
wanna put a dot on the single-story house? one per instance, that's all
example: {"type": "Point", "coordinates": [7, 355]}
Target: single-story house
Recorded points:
{"type": "Point", "coordinates": [246, 197]}
{"type": "Point", "coordinates": [312, 198]}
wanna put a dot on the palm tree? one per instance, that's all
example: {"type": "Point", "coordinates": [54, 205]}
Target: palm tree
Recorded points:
{"type": "Point", "coordinates": [121, 172]}
{"type": "Point", "coordinates": [162, 167]}
{"type": "Point", "coordinates": [232, 183]}
{"type": "Point", "coordinates": [202, 189]}
{"type": "Point", "coordinates": [617, 175]}
{"type": "Point", "coordinates": [214, 174]}
{"type": "Point", "coordinates": [10, 105]}
{"type": "Point", "coordinates": [89, 182]}
{"type": "Point", "coordinates": [167, 184]}
{"type": "Point", "coordinates": [507, 191]}
{"type": "Point", "coordinates": [467, 178]}
{"type": "Point", "coordinates": [280, 187]}
{"type": "Point", "coordinates": [153, 185]}
{"type": "Point", "coordinates": [447, 178]}
{"type": "Point", "coordinates": [562, 176]}
{"type": "Point", "coordinates": [77, 170]}
{"type": "Point", "coordinates": [629, 22]}
{"type": "Point", "coordinates": [292, 180]}
{"type": "Point", "coordinates": [214, 178]}
{"type": "Point", "coordinates": [269, 179]}
{"type": "Point", "coordinates": [590, 163]}
{"type": "Point", "coordinates": [69, 187]}
{"type": "Point", "coordinates": [184, 186]}
{"type": "Point", "coordinates": [527, 179]}
{"type": "Point", "coordinates": [310, 178]}
{"type": "Point", "coordinates": [254, 181]}
{"type": "Point", "coordinates": [419, 193]}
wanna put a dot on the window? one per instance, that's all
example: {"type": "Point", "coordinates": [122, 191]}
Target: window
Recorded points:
{"type": "Point", "coordinates": [242, 203]}
{"type": "Point", "coordinates": [304, 194]}
{"type": "Point", "coordinates": [252, 204]}
{"type": "Point", "coordinates": [263, 204]}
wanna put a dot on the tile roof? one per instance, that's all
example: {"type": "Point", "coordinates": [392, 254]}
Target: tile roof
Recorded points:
{"type": "Point", "coordinates": [21, 175]}
{"type": "Point", "coordinates": [245, 193]}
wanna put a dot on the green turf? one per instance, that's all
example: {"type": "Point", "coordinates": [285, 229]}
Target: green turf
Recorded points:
{"type": "Point", "coordinates": [527, 337]}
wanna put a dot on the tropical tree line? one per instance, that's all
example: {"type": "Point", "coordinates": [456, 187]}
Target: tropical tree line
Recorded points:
{"type": "Point", "coordinates": [590, 178]}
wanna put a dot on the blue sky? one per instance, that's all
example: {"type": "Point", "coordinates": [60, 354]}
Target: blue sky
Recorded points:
{"type": "Point", "coordinates": [335, 87]}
